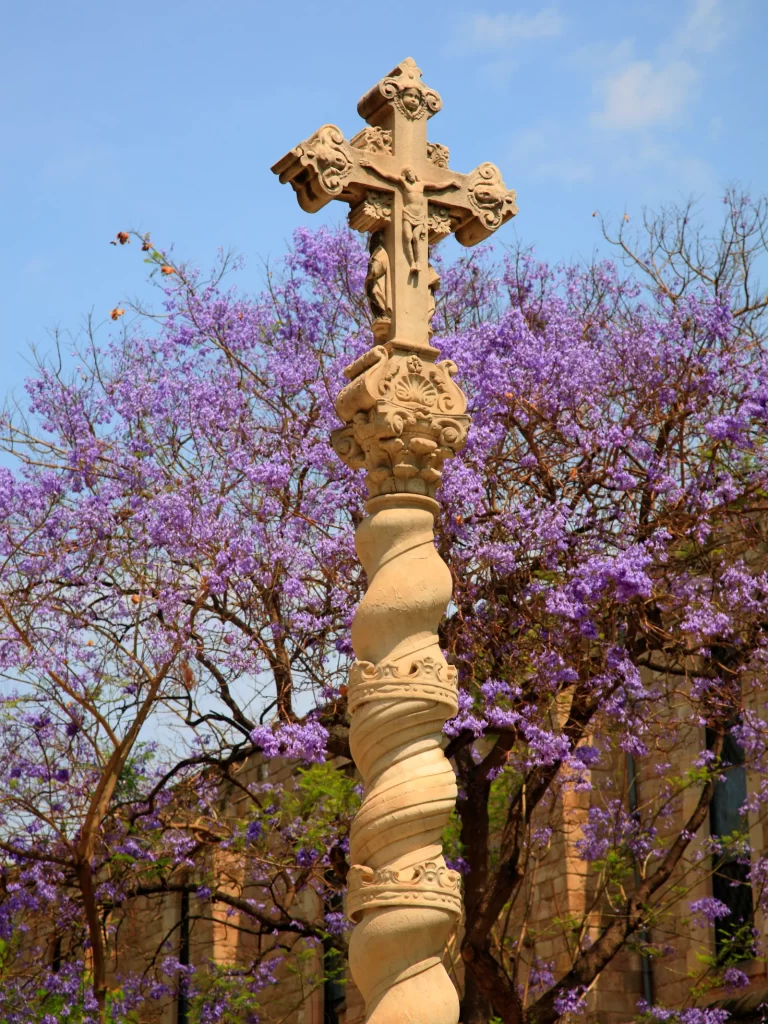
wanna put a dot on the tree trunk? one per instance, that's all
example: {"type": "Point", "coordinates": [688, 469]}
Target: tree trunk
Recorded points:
{"type": "Point", "coordinates": [99, 963]}
{"type": "Point", "coordinates": [475, 1006]}
{"type": "Point", "coordinates": [473, 813]}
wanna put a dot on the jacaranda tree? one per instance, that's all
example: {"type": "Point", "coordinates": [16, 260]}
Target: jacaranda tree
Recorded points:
{"type": "Point", "coordinates": [177, 580]}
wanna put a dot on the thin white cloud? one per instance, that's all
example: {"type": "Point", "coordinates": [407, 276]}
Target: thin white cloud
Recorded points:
{"type": "Point", "coordinates": [643, 95]}
{"type": "Point", "coordinates": [496, 31]}
{"type": "Point", "coordinates": [638, 94]}
{"type": "Point", "coordinates": [704, 28]}
{"type": "Point", "coordinates": [668, 163]}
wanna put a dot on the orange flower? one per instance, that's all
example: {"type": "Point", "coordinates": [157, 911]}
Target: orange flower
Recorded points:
{"type": "Point", "coordinates": [167, 270]}
{"type": "Point", "coordinates": [123, 237]}
{"type": "Point", "coordinates": [116, 313]}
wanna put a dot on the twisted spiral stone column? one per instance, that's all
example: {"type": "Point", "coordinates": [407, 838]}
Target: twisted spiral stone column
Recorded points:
{"type": "Point", "coordinates": [402, 897]}
{"type": "Point", "coordinates": [403, 416]}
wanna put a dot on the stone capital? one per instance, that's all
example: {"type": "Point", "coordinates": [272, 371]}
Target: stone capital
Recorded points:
{"type": "Point", "coordinates": [404, 417]}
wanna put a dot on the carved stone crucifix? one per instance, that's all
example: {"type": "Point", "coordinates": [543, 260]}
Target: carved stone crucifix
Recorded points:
{"type": "Point", "coordinates": [399, 184]}
{"type": "Point", "coordinates": [403, 416]}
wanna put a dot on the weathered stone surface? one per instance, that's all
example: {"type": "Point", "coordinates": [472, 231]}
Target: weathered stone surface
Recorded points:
{"type": "Point", "coordinates": [403, 416]}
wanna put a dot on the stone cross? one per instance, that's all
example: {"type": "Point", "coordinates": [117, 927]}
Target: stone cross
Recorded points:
{"type": "Point", "coordinates": [400, 189]}
{"type": "Point", "coordinates": [403, 416]}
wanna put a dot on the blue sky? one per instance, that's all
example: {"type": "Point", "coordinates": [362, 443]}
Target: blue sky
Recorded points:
{"type": "Point", "coordinates": [166, 117]}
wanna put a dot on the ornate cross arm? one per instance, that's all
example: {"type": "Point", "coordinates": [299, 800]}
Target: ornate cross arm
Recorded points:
{"type": "Point", "coordinates": [326, 166]}
{"type": "Point", "coordinates": [481, 205]}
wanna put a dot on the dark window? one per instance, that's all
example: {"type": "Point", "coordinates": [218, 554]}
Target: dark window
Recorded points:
{"type": "Point", "coordinates": [334, 986]}
{"type": "Point", "coordinates": [334, 989]}
{"type": "Point", "coordinates": [182, 1003]}
{"type": "Point", "coordinates": [730, 882]}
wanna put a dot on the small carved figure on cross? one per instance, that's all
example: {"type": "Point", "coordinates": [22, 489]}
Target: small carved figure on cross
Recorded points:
{"type": "Point", "coordinates": [376, 279]}
{"type": "Point", "coordinates": [411, 100]}
{"type": "Point", "coordinates": [414, 207]}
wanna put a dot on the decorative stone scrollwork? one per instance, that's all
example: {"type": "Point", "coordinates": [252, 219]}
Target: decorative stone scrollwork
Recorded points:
{"type": "Point", "coordinates": [404, 417]}
{"type": "Point", "coordinates": [403, 87]}
{"type": "Point", "coordinates": [402, 450]}
{"type": "Point", "coordinates": [373, 140]}
{"type": "Point", "coordinates": [317, 168]}
{"type": "Point", "coordinates": [372, 213]}
{"type": "Point", "coordinates": [371, 378]}
{"type": "Point", "coordinates": [492, 201]}
{"type": "Point", "coordinates": [438, 154]}
{"type": "Point", "coordinates": [425, 885]}
{"type": "Point", "coordinates": [438, 223]}
{"type": "Point", "coordinates": [326, 151]}
{"type": "Point", "coordinates": [348, 450]}
{"type": "Point", "coordinates": [427, 679]}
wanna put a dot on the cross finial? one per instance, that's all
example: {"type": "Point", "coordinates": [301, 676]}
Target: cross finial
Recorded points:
{"type": "Point", "coordinates": [401, 191]}
{"type": "Point", "coordinates": [404, 87]}
{"type": "Point", "coordinates": [404, 412]}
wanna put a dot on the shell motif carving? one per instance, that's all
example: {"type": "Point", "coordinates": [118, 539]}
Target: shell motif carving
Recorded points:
{"type": "Point", "coordinates": [404, 416]}
{"type": "Point", "coordinates": [415, 390]}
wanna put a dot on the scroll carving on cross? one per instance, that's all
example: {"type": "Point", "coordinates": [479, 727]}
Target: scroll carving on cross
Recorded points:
{"type": "Point", "coordinates": [401, 422]}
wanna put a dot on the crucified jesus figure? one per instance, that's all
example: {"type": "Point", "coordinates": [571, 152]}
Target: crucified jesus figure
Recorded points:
{"type": "Point", "coordinates": [414, 208]}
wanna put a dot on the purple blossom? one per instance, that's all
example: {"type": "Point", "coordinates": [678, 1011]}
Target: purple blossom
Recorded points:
{"type": "Point", "coordinates": [707, 910]}
{"type": "Point", "coordinates": [300, 742]}
{"type": "Point", "coordinates": [734, 979]}
{"type": "Point", "coordinates": [600, 521]}
{"type": "Point", "coordinates": [571, 1001]}
{"type": "Point", "coordinates": [254, 831]}
{"type": "Point", "coordinates": [337, 923]}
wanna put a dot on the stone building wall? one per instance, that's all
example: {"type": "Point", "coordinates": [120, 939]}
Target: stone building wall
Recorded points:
{"type": "Point", "coordinates": [560, 888]}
